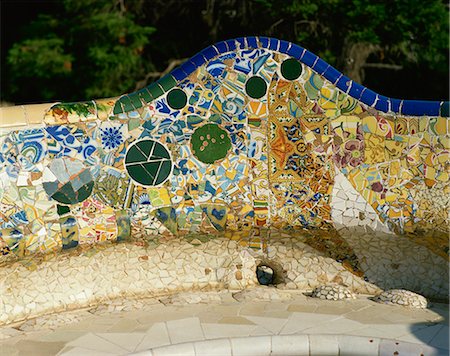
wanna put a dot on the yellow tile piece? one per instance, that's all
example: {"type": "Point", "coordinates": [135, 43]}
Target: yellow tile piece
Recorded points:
{"type": "Point", "coordinates": [442, 176]}
{"type": "Point", "coordinates": [370, 124]}
{"type": "Point", "coordinates": [390, 198]}
{"type": "Point", "coordinates": [440, 126]}
{"type": "Point", "coordinates": [394, 214]}
{"type": "Point", "coordinates": [309, 137]}
{"type": "Point", "coordinates": [357, 179]}
{"type": "Point", "coordinates": [374, 149]}
{"type": "Point", "coordinates": [430, 173]}
{"type": "Point", "coordinates": [394, 168]}
{"type": "Point", "coordinates": [423, 124]}
{"type": "Point", "coordinates": [394, 149]}
{"type": "Point", "coordinates": [336, 122]}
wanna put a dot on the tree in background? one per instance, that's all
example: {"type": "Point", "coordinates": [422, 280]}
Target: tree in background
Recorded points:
{"type": "Point", "coordinates": [92, 49]}
{"type": "Point", "coordinates": [392, 33]}
{"type": "Point", "coordinates": [100, 48]}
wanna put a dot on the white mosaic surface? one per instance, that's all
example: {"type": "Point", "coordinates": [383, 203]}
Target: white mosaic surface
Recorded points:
{"type": "Point", "coordinates": [129, 325]}
{"type": "Point", "coordinates": [69, 282]}
{"type": "Point", "coordinates": [332, 292]}
{"type": "Point", "coordinates": [402, 297]}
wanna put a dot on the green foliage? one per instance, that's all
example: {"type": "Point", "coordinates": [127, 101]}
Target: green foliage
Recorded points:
{"type": "Point", "coordinates": [40, 57]}
{"type": "Point", "coordinates": [410, 31]}
{"type": "Point", "coordinates": [93, 48]}
{"type": "Point", "coordinates": [88, 49]}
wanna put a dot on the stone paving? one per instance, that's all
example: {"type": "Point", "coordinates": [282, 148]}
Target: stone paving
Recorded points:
{"type": "Point", "coordinates": [127, 326]}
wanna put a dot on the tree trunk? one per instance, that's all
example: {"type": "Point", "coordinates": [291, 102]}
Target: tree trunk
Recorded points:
{"type": "Point", "coordinates": [354, 57]}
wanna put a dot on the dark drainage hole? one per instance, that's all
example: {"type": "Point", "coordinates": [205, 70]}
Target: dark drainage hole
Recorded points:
{"type": "Point", "coordinates": [265, 275]}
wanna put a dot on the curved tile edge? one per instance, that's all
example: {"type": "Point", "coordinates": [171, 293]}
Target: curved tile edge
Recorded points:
{"type": "Point", "coordinates": [303, 344]}
{"type": "Point", "coordinates": [357, 91]}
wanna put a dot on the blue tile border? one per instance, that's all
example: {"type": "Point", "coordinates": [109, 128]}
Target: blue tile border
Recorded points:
{"type": "Point", "coordinates": [382, 103]}
{"type": "Point", "coordinates": [420, 107]}
{"type": "Point", "coordinates": [264, 42]}
{"type": "Point", "coordinates": [355, 90]}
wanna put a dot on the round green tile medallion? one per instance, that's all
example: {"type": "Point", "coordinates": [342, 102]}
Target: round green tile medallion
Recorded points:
{"type": "Point", "coordinates": [68, 180]}
{"type": "Point", "coordinates": [148, 162]}
{"type": "Point", "coordinates": [210, 143]}
{"type": "Point", "coordinates": [176, 99]}
{"type": "Point", "coordinates": [256, 87]}
{"type": "Point", "coordinates": [291, 69]}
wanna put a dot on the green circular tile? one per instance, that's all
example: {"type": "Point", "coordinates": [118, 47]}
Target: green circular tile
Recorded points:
{"type": "Point", "coordinates": [176, 99]}
{"type": "Point", "coordinates": [291, 69]}
{"type": "Point", "coordinates": [256, 87]}
{"type": "Point", "coordinates": [210, 143]}
{"type": "Point", "coordinates": [68, 180]}
{"type": "Point", "coordinates": [148, 163]}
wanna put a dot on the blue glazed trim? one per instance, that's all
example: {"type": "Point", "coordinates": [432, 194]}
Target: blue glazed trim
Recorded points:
{"type": "Point", "coordinates": [320, 66]}
{"type": "Point", "coordinates": [344, 83]}
{"type": "Point", "coordinates": [383, 103]}
{"type": "Point", "coordinates": [242, 42]}
{"type": "Point", "coordinates": [419, 107]}
{"type": "Point", "coordinates": [198, 60]}
{"type": "Point", "coordinates": [264, 42]}
{"type": "Point", "coordinates": [368, 96]}
{"type": "Point", "coordinates": [395, 104]}
{"type": "Point", "coordinates": [284, 46]}
{"type": "Point", "coordinates": [332, 74]}
{"type": "Point", "coordinates": [309, 58]}
{"type": "Point", "coordinates": [296, 51]}
{"type": "Point", "coordinates": [252, 42]}
{"type": "Point", "coordinates": [209, 52]}
{"type": "Point", "coordinates": [355, 90]}
{"type": "Point", "coordinates": [273, 44]}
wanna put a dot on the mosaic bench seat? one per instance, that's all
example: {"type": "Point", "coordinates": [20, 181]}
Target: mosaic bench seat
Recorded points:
{"type": "Point", "coordinates": [248, 135]}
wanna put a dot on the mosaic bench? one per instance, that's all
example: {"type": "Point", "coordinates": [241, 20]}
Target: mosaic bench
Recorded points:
{"type": "Point", "coordinates": [248, 135]}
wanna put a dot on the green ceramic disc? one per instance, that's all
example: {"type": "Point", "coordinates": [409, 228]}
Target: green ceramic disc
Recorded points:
{"type": "Point", "coordinates": [291, 69]}
{"type": "Point", "coordinates": [256, 87]}
{"type": "Point", "coordinates": [148, 162]}
{"type": "Point", "coordinates": [210, 143]}
{"type": "Point", "coordinates": [176, 99]}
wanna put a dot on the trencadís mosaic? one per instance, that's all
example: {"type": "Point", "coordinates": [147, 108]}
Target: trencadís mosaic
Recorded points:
{"type": "Point", "coordinates": [249, 134]}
